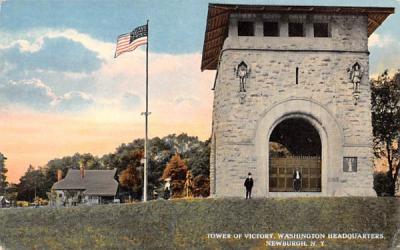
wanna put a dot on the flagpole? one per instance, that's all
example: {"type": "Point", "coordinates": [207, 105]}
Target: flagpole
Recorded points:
{"type": "Point", "coordinates": [146, 119]}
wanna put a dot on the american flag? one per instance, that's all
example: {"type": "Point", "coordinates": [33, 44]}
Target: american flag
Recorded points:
{"type": "Point", "coordinates": [130, 41]}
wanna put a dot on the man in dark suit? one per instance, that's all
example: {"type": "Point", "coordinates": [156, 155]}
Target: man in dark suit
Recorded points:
{"type": "Point", "coordinates": [248, 183]}
{"type": "Point", "coordinates": [297, 180]}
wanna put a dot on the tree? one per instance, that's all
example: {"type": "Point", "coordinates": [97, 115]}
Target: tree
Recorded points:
{"type": "Point", "coordinates": [124, 156]}
{"type": "Point", "coordinates": [12, 193]}
{"type": "Point", "coordinates": [181, 143]}
{"type": "Point", "coordinates": [131, 180]}
{"type": "Point", "coordinates": [195, 156]}
{"type": "Point", "coordinates": [198, 158]}
{"type": "Point", "coordinates": [176, 169]}
{"type": "Point", "coordinates": [195, 152]}
{"type": "Point", "coordinates": [188, 186]}
{"type": "Point", "coordinates": [131, 177]}
{"type": "Point", "coordinates": [89, 161]}
{"type": "Point", "coordinates": [32, 183]}
{"type": "Point", "coordinates": [63, 164]}
{"type": "Point", "coordinates": [386, 124]}
{"type": "Point", "coordinates": [382, 183]}
{"type": "Point", "coordinates": [68, 162]}
{"type": "Point", "coordinates": [201, 186]}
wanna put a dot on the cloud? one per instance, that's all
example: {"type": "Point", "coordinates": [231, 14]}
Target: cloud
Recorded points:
{"type": "Point", "coordinates": [384, 50]}
{"type": "Point", "coordinates": [74, 101]}
{"type": "Point", "coordinates": [57, 54]}
{"type": "Point", "coordinates": [173, 79]}
{"type": "Point", "coordinates": [6, 67]}
{"type": "Point", "coordinates": [115, 85]}
{"type": "Point", "coordinates": [33, 93]}
{"type": "Point", "coordinates": [82, 106]}
{"type": "Point", "coordinates": [188, 100]}
{"type": "Point", "coordinates": [376, 40]}
{"type": "Point", "coordinates": [33, 41]}
{"type": "Point", "coordinates": [1, 3]}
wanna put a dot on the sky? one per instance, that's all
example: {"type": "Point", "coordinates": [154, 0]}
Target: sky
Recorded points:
{"type": "Point", "coordinates": [62, 92]}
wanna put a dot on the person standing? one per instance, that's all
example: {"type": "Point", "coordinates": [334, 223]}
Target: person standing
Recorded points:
{"type": "Point", "coordinates": [248, 183]}
{"type": "Point", "coordinates": [155, 193]}
{"type": "Point", "coordinates": [167, 189]}
{"type": "Point", "coordinates": [297, 180]}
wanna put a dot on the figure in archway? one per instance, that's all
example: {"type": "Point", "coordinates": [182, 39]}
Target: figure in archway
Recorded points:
{"type": "Point", "coordinates": [295, 157]}
{"type": "Point", "coordinates": [297, 180]}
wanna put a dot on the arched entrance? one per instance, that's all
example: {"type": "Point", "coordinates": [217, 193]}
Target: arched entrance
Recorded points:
{"type": "Point", "coordinates": [330, 134]}
{"type": "Point", "coordinates": [294, 143]}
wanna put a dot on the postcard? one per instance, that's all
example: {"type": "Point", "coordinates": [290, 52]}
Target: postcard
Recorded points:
{"type": "Point", "coordinates": [199, 125]}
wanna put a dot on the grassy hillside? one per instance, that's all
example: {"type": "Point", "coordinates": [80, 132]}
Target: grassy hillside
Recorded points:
{"type": "Point", "coordinates": [184, 224]}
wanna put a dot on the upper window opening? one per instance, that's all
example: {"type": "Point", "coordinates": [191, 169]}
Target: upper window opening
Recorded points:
{"type": "Point", "coordinates": [271, 29]}
{"type": "Point", "coordinates": [296, 29]}
{"type": "Point", "coordinates": [321, 30]}
{"type": "Point", "coordinates": [246, 29]}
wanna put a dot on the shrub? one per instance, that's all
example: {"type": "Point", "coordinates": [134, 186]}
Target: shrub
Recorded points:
{"type": "Point", "coordinates": [201, 186]}
{"type": "Point", "coordinates": [22, 204]}
{"type": "Point", "coordinates": [383, 184]}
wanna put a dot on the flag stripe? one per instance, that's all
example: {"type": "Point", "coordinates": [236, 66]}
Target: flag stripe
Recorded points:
{"type": "Point", "coordinates": [128, 50]}
{"type": "Point", "coordinates": [130, 41]}
{"type": "Point", "coordinates": [139, 44]}
{"type": "Point", "coordinates": [121, 45]}
{"type": "Point", "coordinates": [127, 46]}
{"type": "Point", "coordinates": [121, 48]}
{"type": "Point", "coordinates": [130, 47]}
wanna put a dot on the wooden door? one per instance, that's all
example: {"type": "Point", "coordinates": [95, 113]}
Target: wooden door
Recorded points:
{"type": "Point", "coordinates": [281, 171]}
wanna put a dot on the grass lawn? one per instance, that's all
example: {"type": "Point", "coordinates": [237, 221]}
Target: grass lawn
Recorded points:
{"type": "Point", "coordinates": [184, 224]}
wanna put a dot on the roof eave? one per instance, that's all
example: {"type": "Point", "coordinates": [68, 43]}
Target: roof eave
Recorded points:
{"type": "Point", "coordinates": [210, 62]}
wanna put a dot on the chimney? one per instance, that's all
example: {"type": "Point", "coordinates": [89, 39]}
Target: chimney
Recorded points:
{"type": "Point", "coordinates": [82, 171]}
{"type": "Point", "coordinates": [59, 175]}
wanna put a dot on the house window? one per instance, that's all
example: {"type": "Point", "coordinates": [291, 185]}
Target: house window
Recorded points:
{"type": "Point", "coordinates": [271, 29]}
{"type": "Point", "coordinates": [321, 30]}
{"type": "Point", "coordinates": [245, 28]}
{"type": "Point", "coordinates": [296, 29]}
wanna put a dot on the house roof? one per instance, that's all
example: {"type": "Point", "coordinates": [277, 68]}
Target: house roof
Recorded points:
{"type": "Point", "coordinates": [95, 182]}
{"type": "Point", "coordinates": [218, 22]}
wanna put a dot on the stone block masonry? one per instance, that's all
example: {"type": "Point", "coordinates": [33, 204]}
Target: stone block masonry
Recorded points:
{"type": "Point", "coordinates": [307, 78]}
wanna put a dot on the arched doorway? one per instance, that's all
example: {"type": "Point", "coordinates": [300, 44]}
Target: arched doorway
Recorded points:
{"type": "Point", "coordinates": [294, 143]}
{"type": "Point", "coordinates": [330, 133]}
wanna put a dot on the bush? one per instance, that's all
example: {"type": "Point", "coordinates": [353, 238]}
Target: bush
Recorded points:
{"type": "Point", "coordinates": [41, 202]}
{"type": "Point", "coordinates": [383, 184]}
{"type": "Point", "coordinates": [176, 169]}
{"type": "Point", "coordinates": [201, 186]}
{"type": "Point", "coordinates": [22, 204]}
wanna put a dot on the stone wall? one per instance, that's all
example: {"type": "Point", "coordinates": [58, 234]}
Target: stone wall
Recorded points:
{"type": "Point", "coordinates": [324, 89]}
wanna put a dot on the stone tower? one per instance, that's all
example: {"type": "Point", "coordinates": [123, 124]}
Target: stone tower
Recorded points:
{"type": "Point", "coordinates": [291, 92]}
